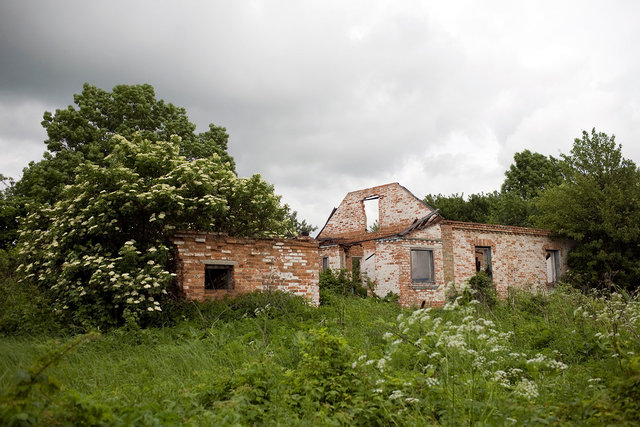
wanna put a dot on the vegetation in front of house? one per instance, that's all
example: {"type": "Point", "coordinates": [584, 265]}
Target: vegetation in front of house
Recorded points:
{"type": "Point", "coordinates": [268, 358]}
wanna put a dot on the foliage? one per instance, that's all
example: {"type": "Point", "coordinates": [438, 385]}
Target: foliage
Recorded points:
{"type": "Point", "coordinates": [85, 133]}
{"type": "Point", "coordinates": [302, 227]}
{"type": "Point", "coordinates": [557, 358]}
{"type": "Point", "coordinates": [598, 206]}
{"type": "Point", "coordinates": [32, 397]}
{"type": "Point", "coordinates": [478, 288]}
{"type": "Point", "coordinates": [10, 209]}
{"type": "Point", "coordinates": [102, 248]}
{"type": "Point", "coordinates": [339, 283]}
{"type": "Point", "coordinates": [122, 172]}
{"type": "Point", "coordinates": [531, 174]}
{"type": "Point", "coordinates": [26, 310]}
{"type": "Point", "coordinates": [475, 208]}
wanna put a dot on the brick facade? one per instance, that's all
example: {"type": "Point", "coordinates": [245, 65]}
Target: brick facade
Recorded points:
{"type": "Point", "coordinates": [290, 265]}
{"type": "Point", "coordinates": [517, 254]}
{"type": "Point", "coordinates": [410, 232]}
{"type": "Point", "coordinates": [397, 206]}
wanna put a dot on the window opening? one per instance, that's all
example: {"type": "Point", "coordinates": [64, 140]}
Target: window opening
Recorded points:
{"type": "Point", "coordinates": [218, 277]}
{"type": "Point", "coordinates": [372, 213]}
{"type": "Point", "coordinates": [553, 265]}
{"type": "Point", "coordinates": [355, 268]}
{"type": "Point", "coordinates": [483, 260]}
{"type": "Point", "coordinates": [325, 263]}
{"type": "Point", "coordinates": [422, 266]}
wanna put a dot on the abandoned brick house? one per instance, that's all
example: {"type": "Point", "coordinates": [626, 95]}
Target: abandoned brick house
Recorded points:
{"type": "Point", "coordinates": [212, 265]}
{"type": "Point", "coordinates": [414, 252]}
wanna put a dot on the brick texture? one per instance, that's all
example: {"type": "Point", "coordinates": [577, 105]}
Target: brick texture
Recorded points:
{"type": "Point", "coordinates": [290, 265]}
{"type": "Point", "coordinates": [518, 254]}
{"type": "Point", "coordinates": [398, 208]}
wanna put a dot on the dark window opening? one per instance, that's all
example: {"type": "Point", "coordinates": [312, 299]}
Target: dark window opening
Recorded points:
{"type": "Point", "coordinates": [483, 260]}
{"type": "Point", "coordinates": [218, 277]}
{"type": "Point", "coordinates": [553, 265]}
{"type": "Point", "coordinates": [355, 268]}
{"type": "Point", "coordinates": [325, 263]}
{"type": "Point", "coordinates": [422, 266]}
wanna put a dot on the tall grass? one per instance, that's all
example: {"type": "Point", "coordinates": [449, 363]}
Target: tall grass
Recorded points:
{"type": "Point", "coordinates": [268, 358]}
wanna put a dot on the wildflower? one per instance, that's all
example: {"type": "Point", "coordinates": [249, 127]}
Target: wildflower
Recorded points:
{"type": "Point", "coordinates": [432, 382]}
{"type": "Point", "coordinates": [396, 394]}
{"type": "Point", "coordinates": [526, 389]}
{"type": "Point", "coordinates": [381, 363]}
{"type": "Point", "coordinates": [412, 400]}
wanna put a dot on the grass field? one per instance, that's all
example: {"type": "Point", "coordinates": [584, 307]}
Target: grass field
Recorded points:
{"type": "Point", "coordinates": [270, 359]}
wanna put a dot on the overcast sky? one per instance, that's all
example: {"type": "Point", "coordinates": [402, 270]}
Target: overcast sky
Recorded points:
{"type": "Point", "coordinates": [326, 97]}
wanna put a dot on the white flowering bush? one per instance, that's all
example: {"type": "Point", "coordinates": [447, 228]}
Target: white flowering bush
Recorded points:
{"type": "Point", "coordinates": [102, 248]}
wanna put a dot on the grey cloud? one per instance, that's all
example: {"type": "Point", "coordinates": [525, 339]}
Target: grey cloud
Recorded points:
{"type": "Point", "coordinates": [319, 97]}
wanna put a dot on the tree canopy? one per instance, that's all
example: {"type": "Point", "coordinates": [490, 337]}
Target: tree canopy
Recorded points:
{"type": "Point", "coordinates": [121, 173]}
{"type": "Point", "coordinates": [598, 206]}
{"type": "Point", "coordinates": [531, 173]}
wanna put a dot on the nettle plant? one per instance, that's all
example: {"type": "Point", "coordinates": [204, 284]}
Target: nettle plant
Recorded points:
{"type": "Point", "coordinates": [102, 249]}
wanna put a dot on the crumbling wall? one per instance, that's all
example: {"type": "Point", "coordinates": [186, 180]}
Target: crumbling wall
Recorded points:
{"type": "Point", "coordinates": [290, 265]}
{"type": "Point", "coordinates": [518, 254]}
{"type": "Point", "coordinates": [333, 254]}
{"type": "Point", "coordinates": [398, 208]}
{"type": "Point", "coordinates": [393, 268]}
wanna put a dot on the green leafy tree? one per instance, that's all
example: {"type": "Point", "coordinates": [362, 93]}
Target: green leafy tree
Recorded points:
{"type": "Point", "coordinates": [532, 173]}
{"type": "Point", "coordinates": [598, 206]}
{"type": "Point", "coordinates": [475, 208]}
{"type": "Point", "coordinates": [84, 132]}
{"type": "Point", "coordinates": [121, 172]}
{"type": "Point", "coordinates": [101, 249]}
{"type": "Point", "coordinates": [529, 175]}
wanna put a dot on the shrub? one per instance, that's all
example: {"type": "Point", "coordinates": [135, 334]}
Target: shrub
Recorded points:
{"type": "Point", "coordinates": [478, 287]}
{"type": "Point", "coordinates": [339, 282]}
{"type": "Point", "coordinates": [26, 310]}
{"type": "Point", "coordinates": [102, 249]}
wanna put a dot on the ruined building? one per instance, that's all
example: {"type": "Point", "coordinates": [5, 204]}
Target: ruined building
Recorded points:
{"type": "Point", "coordinates": [407, 248]}
{"type": "Point", "coordinates": [213, 265]}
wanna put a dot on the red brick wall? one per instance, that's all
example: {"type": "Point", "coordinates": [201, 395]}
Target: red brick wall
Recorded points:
{"type": "Point", "coordinates": [398, 208]}
{"type": "Point", "coordinates": [517, 253]}
{"type": "Point", "coordinates": [393, 272]}
{"type": "Point", "coordinates": [290, 265]}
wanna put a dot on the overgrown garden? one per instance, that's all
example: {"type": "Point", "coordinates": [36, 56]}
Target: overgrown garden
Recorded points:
{"type": "Point", "coordinates": [92, 331]}
{"type": "Point", "coordinates": [560, 357]}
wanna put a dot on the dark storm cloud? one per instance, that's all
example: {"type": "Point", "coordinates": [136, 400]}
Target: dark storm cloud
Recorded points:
{"type": "Point", "coordinates": [325, 97]}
